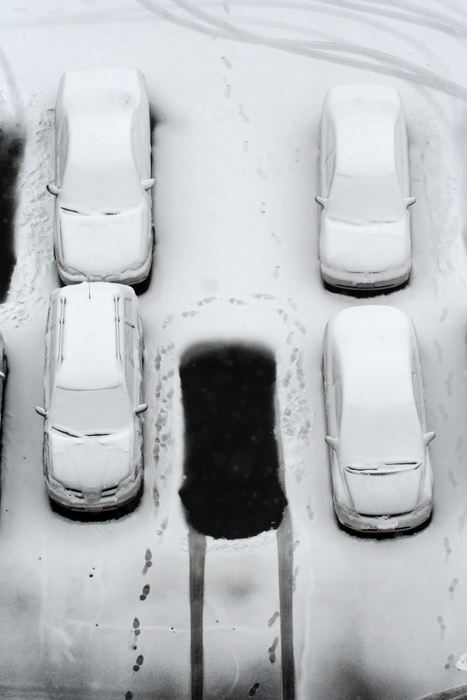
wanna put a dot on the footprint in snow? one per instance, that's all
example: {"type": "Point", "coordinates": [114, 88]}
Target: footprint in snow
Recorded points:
{"type": "Point", "coordinates": [453, 585]}
{"type": "Point", "coordinates": [449, 662]}
{"type": "Point", "coordinates": [163, 527]}
{"type": "Point", "coordinates": [145, 592]}
{"type": "Point", "coordinates": [208, 300]}
{"type": "Point", "coordinates": [148, 558]}
{"type": "Point", "coordinates": [258, 295]}
{"type": "Point", "coordinates": [273, 618]}
{"type": "Point", "coordinates": [166, 321]}
{"type": "Point", "coordinates": [139, 663]}
{"type": "Point", "coordinates": [272, 650]}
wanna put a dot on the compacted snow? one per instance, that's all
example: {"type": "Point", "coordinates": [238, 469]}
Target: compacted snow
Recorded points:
{"type": "Point", "coordinates": [113, 608]}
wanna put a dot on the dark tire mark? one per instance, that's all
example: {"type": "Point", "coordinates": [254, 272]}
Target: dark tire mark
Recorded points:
{"type": "Point", "coordinates": [197, 549]}
{"type": "Point", "coordinates": [285, 565]}
{"type": "Point", "coordinates": [11, 155]}
{"type": "Point", "coordinates": [3, 398]}
{"type": "Point", "coordinates": [232, 488]}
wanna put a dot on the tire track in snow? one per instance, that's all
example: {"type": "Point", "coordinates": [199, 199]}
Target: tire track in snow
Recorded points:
{"type": "Point", "coordinates": [284, 537]}
{"type": "Point", "coordinates": [197, 551]}
{"type": "Point", "coordinates": [317, 46]}
{"type": "Point", "coordinates": [413, 14]}
{"type": "Point", "coordinates": [386, 64]}
{"type": "Point", "coordinates": [373, 19]}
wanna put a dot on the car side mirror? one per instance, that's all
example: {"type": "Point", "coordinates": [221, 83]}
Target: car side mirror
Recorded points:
{"type": "Point", "coordinates": [52, 189]}
{"type": "Point", "coordinates": [428, 437]}
{"type": "Point", "coordinates": [41, 411]}
{"type": "Point", "coordinates": [409, 201]}
{"type": "Point", "coordinates": [141, 408]}
{"type": "Point", "coordinates": [332, 441]}
{"type": "Point", "coordinates": [322, 201]}
{"type": "Point", "coordinates": [147, 184]}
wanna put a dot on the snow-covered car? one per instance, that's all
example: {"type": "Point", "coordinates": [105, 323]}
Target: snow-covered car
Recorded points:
{"type": "Point", "coordinates": [364, 239]}
{"type": "Point", "coordinates": [103, 226]}
{"type": "Point", "coordinates": [93, 397]}
{"type": "Point", "coordinates": [381, 473]}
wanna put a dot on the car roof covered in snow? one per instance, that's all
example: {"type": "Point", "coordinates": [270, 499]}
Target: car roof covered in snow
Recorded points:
{"type": "Point", "coordinates": [90, 339]}
{"type": "Point", "coordinates": [101, 88]}
{"type": "Point", "coordinates": [363, 120]}
{"type": "Point", "coordinates": [373, 351]}
{"type": "Point", "coordinates": [99, 107]}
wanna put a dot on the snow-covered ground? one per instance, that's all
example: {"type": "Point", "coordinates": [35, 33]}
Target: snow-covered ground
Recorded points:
{"type": "Point", "coordinates": [236, 91]}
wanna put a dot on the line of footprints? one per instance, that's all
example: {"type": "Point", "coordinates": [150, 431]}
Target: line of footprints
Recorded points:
{"type": "Point", "coordinates": [136, 630]}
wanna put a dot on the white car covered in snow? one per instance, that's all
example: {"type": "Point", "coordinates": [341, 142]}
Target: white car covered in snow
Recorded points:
{"type": "Point", "coordinates": [93, 387]}
{"type": "Point", "coordinates": [381, 473]}
{"type": "Point", "coordinates": [103, 226]}
{"type": "Point", "coordinates": [364, 237]}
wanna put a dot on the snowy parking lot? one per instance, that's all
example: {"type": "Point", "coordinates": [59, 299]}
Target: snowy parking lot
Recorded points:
{"type": "Point", "coordinates": [142, 606]}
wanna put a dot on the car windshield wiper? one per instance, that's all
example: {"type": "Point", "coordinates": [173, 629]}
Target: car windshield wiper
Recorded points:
{"type": "Point", "coordinates": [67, 431]}
{"type": "Point", "coordinates": [111, 212]}
{"type": "Point", "coordinates": [98, 433]}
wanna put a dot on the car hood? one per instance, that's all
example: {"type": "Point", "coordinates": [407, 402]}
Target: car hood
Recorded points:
{"type": "Point", "coordinates": [103, 244]}
{"type": "Point", "coordinates": [390, 488]}
{"type": "Point", "coordinates": [372, 247]}
{"type": "Point", "coordinates": [91, 462]}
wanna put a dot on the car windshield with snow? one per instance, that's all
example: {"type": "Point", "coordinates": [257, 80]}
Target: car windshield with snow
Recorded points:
{"type": "Point", "coordinates": [103, 228]}
{"type": "Point", "coordinates": [364, 184]}
{"type": "Point", "coordinates": [380, 466]}
{"type": "Point", "coordinates": [93, 439]}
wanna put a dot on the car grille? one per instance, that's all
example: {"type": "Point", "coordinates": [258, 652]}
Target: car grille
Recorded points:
{"type": "Point", "coordinates": [105, 493]}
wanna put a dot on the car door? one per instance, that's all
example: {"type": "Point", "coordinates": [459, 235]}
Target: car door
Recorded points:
{"type": "Point", "coordinates": [133, 364]}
